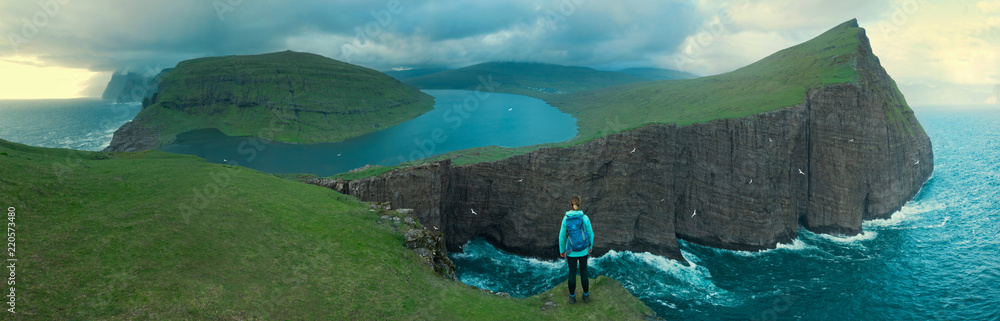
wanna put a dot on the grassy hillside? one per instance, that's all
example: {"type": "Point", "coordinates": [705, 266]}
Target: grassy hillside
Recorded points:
{"type": "Point", "coordinates": [658, 74]}
{"type": "Point", "coordinates": [779, 80]}
{"type": "Point", "coordinates": [291, 96]}
{"type": "Point", "coordinates": [531, 79]}
{"type": "Point", "coordinates": [158, 236]}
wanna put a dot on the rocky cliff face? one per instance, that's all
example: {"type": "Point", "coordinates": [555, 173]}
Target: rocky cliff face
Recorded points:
{"type": "Point", "coordinates": [133, 136]}
{"type": "Point", "coordinates": [848, 152]}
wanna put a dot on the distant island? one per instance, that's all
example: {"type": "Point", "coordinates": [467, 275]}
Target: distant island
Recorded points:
{"type": "Point", "coordinates": [284, 96]}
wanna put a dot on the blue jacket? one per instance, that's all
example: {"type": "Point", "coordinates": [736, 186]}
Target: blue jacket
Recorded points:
{"type": "Point", "coordinates": [562, 234]}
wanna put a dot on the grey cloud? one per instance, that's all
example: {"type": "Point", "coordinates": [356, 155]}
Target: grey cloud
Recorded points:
{"type": "Point", "coordinates": [113, 35]}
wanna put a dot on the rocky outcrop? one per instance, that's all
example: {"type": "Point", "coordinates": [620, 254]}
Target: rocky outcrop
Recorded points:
{"type": "Point", "coordinates": [430, 247]}
{"type": "Point", "coordinates": [849, 152]}
{"type": "Point", "coordinates": [133, 136]}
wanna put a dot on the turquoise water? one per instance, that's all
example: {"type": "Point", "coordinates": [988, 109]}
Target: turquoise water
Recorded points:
{"type": "Point", "coordinates": [460, 119]}
{"type": "Point", "coordinates": [82, 124]}
{"type": "Point", "coordinates": [938, 258]}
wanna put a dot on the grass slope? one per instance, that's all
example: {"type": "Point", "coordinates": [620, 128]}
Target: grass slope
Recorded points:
{"type": "Point", "coordinates": [779, 80]}
{"type": "Point", "coordinates": [307, 98]}
{"type": "Point", "coordinates": [159, 236]}
{"type": "Point", "coordinates": [530, 79]}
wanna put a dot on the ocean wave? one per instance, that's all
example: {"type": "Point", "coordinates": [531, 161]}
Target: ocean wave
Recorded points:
{"type": "Point", "coordinates": [688, 282]}
{"type": "Point", "coordinates": [912, 211]}
{"type": "Point", "coordinates": [858, 239]}
{"type": "Point", "coordinates": [796, 245]}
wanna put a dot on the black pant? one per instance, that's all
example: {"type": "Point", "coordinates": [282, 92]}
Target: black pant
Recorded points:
{"type": "Point", "coordinates": [573, 261]}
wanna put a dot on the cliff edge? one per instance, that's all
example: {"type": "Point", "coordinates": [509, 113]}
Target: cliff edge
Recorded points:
{"type": "Point", "coordinates": [849, 150]}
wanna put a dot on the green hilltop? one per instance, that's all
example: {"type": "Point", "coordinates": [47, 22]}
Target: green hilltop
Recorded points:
{"type": "Point", "coordinates": [159, 236]}
{"type": "Point", "coordinates": [779, 80]}
{"type": "Point", "coordinates": [530, 79]}
{"type": "Point", "coordinates": [318, 98]}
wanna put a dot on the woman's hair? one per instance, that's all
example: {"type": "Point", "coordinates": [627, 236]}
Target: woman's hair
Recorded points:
{"type": "Point", "coordinates": [575, 203]}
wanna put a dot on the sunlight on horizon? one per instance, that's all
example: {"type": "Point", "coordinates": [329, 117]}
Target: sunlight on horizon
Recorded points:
{"type": "Point", "coordinates": [29, 78]}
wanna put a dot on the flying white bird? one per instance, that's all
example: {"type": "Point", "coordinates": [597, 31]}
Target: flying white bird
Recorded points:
{"type": "Point", "coordinates": [633, 150]}
{"type": "Point", "coordinates": [520, 180]}
{"type": "Point", "coordinates": [695, 213]}
{"type": "Point", "coordinates": [751, 181]}
{"type": "Point", "coordinates": [509, 109]}
{"type": "Point", "coordinates": [338, 155]}
{"type": "Point", "coordinates": [800, 171]}
{"type": "Point", "coordinates": [435, 227]}
{"type": "Point", "coordinates": [852, 140]}
{"type": "Point", "coordinates": [769, 139]}
{"type": "Point", "coordinates": [918, 162]}
{"type": "Point", "coordinates": [662, 199]}
{"type": "Point", "coordinates": [473, 211]}
{"type": "Point", "coordinates": [224, 160]}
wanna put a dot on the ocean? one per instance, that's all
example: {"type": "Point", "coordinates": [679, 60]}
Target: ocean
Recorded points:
{"type": "Point", "coordinates": [938, 258]}
{"type": "Point", "coordinates": [81, 124]}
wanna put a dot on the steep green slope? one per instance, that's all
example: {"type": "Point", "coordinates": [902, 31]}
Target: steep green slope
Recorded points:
{"type": "Point", "coordinates": [531, 79]}
{"type": "Point", "coordinates": [779, 80]}
{"type": "Point", "coordinates": [285, 96]}
{"type": "Point", "coordinates": [159, 236]}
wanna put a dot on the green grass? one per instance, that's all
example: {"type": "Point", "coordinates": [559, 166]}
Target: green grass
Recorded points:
{"type": "Point", "coordinates": [159, 236]}
{"type": "Point", "coordinates": [777, 81]}
{"type": "Point", "coordinates": [293, 97]}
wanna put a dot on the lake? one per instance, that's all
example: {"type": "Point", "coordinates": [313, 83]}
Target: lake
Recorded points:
{"type": "Point", "coordinates": [460, 119]}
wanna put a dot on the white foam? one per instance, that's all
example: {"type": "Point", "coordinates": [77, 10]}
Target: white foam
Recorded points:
{"type": "Point", "coordinates": [909, 212]}
{"type": "Point", "coordinates": [946, 218]}
{"type": "Point", "coordinates": [796, 245]}
{"type": "Point", "coordinates": [694, 280]}
{"type": "Point", "coordinates": [858, 239]}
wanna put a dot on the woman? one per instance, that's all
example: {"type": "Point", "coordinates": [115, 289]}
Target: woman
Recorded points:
{"type": "Point", "coordinates": [576, 240]}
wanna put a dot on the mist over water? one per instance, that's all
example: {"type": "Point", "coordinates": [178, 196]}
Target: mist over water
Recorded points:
{"type": "Point", "coordinates": [935, 259]}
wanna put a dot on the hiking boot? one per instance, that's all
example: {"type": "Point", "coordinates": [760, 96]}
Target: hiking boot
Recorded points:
{"type": "Point", "coordinates": [572, 300]}
{"type": "Point", "coordinates": [586, 298]}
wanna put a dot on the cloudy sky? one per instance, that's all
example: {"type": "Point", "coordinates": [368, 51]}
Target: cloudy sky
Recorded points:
{"type": "Point", "coordinates": [939, 51]}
